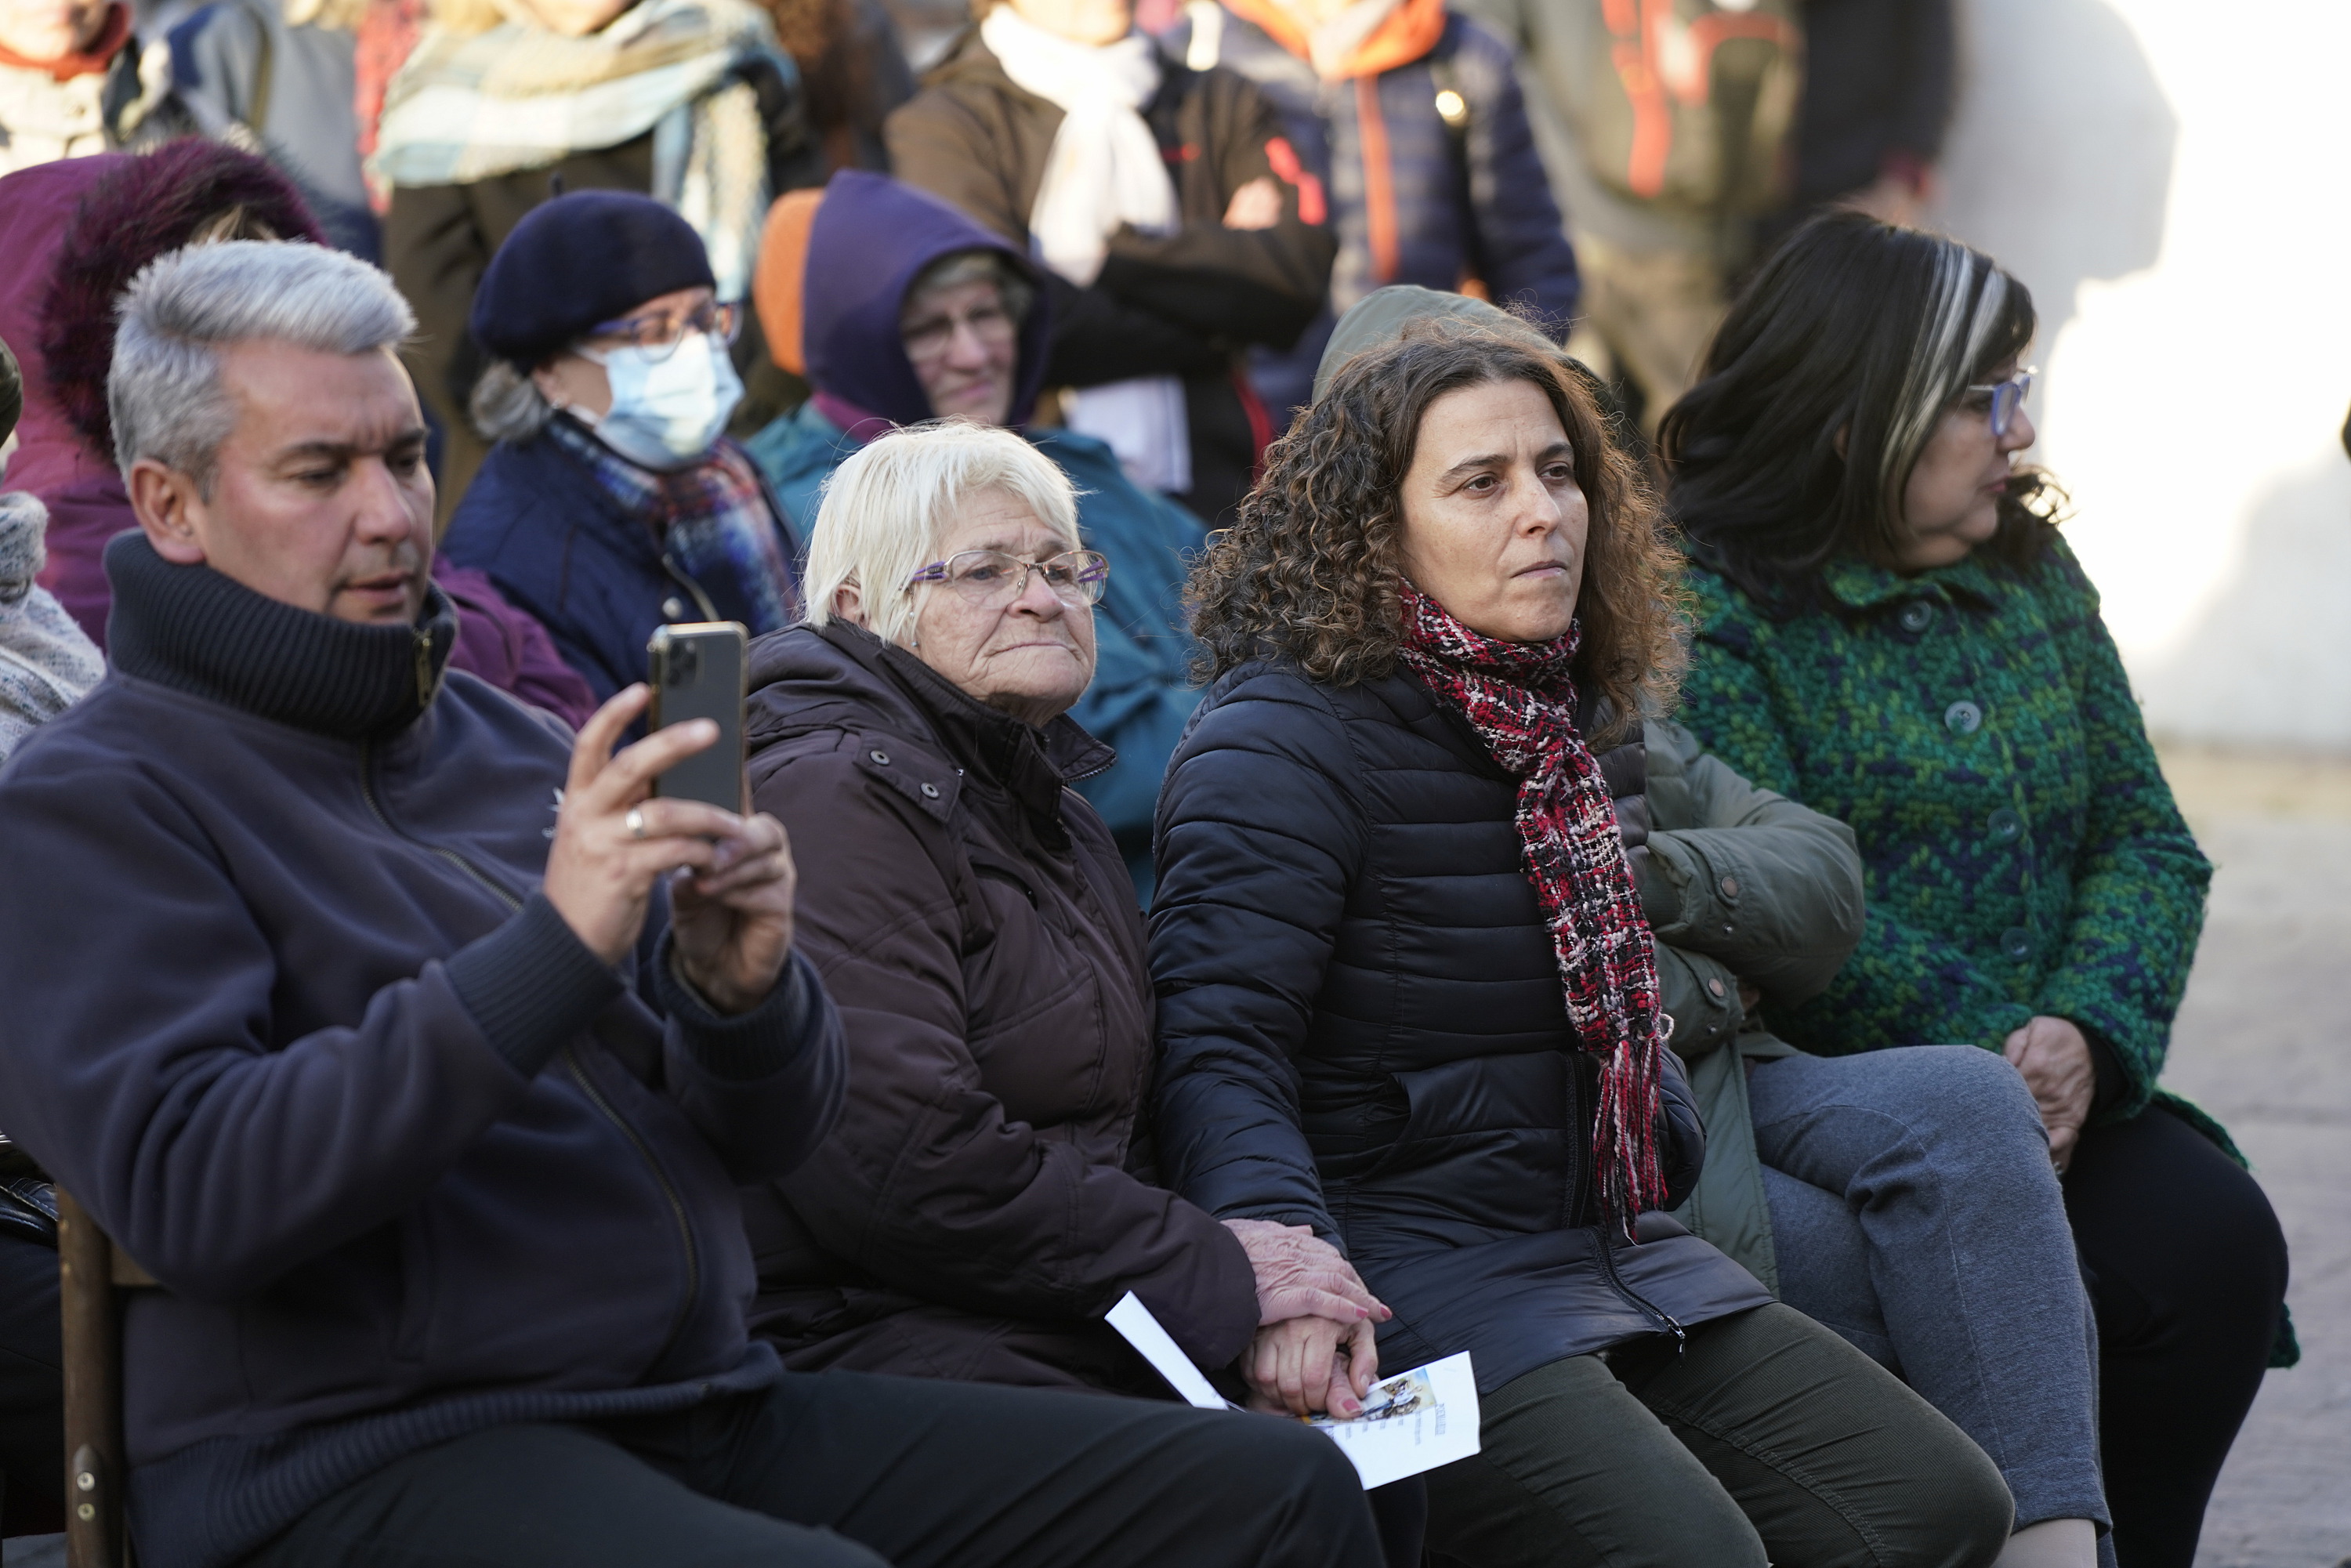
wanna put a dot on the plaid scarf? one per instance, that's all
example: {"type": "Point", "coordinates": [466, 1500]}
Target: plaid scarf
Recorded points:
{"type": "Point", "coordinates": [711, 518]}
{"type": "Point", "coordinates": [1520, 699]}
{"type": "Point", "coordinates": [465, 109]}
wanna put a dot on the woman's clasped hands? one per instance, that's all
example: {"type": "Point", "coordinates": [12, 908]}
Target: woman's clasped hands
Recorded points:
{"type": "Point", "coordinates": [1314, 1350]}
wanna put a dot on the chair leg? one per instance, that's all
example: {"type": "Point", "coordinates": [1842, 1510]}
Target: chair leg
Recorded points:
{"type": "Point", "coordinates": [94, 1537]}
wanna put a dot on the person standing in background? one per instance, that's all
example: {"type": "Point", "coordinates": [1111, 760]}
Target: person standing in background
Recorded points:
{"type": "Point", "coordinates": [1666, 128]}
{"type": "Point", "coordinates": [855, 73]}
{"type": "Point", "coordinates": [279, 80]}
{"type": "Point", "coordinates": [1409, 117]}
{"type": "Point", "coordinates": [693, 102]}
{"type": "Point", "coordinates": [1165, 202]}
{"type": "Point", "coordinates": [1879, 80]}
{"type": "Point", "coordinates": [74, 81]}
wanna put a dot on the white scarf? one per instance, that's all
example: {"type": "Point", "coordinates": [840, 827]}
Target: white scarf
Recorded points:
{"type": "Point", "coordinates": [1103, 172]}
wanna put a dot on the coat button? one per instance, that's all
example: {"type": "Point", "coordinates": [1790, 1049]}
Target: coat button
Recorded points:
{"type": "Point", "coordinates": [2017, 943]}
{"type": "Point", "coordinates": [1729, 886]}
{"type": "Point", "coordinates": [1916, 616]}
{"type": "Point", "coordinates": [673, 609]}
{"type": "Point", "coordinates": [930, 792]}
{"type": "Point", "coordinates": [880, 758]}
{"type": "Point", "coordinates": [1715, 985]}
{"type": "Point", "coordinates": [2006, 826]}
{"type": "Point", "coordinates": [1963, 717]}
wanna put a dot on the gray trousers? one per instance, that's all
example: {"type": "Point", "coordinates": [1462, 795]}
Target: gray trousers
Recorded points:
{"type": "Point", "coordinates": [1915, 1212]}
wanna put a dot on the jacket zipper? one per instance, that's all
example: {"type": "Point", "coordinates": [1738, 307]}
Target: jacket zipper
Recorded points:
{"type": "Point", "coordinates": [1633, 1298]}
{"type": "Point", "coordinates": [676, 1205]}
{"type": "Point", "coordinates": [686, 580]}
{"type": "Point", "coordinates": [425, 678]}
{"type": "Point", "coordinates": [1608, 1270]}
{"type": "Point", "coordinates": [570, 1057]}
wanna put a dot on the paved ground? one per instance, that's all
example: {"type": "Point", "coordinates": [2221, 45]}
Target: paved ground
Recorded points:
{"type": "Point", "coordinates": [2265, 1043]}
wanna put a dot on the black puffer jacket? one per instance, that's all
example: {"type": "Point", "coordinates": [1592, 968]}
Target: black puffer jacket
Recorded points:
{"type": "Point", "coordinates": [1362, 1029]}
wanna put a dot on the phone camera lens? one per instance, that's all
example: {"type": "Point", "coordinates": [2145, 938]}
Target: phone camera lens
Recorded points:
{"type": "Point", "coordinates": [685, 664]}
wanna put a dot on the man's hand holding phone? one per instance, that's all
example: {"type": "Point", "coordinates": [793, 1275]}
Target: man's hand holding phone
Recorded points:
{"type": "Point", "coordinates": [731, 915]}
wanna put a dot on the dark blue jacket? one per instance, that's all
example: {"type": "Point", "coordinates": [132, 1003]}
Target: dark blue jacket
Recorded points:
{"type": "Point", "coordinates": [537, 523]}
{"type": "Point", "coordinates": [1471, 202]}
{"type": "Point", "coordinates": [289, 1016]}
{"type": "Point", "coordinates": [1362, 1029]}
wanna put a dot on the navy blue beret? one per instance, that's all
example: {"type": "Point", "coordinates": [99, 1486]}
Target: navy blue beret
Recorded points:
{"type": "Point", "coordinates": [580, 260]}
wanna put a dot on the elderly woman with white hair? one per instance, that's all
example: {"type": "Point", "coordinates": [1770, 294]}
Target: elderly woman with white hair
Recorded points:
{"type": "Point", "coordinates": [987, 1195]}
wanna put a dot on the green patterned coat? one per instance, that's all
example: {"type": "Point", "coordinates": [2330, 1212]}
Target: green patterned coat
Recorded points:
{"type": "Point", "coordinates": [2021, 852]}
{"type": "Point", "coordinates": [2020, 849]}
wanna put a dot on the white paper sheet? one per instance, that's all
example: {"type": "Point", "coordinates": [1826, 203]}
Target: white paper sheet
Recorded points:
{"type": "Point", "coordinates": [1132, 1319]}
{"type": "Point", "coordinates": [1412, 1421]}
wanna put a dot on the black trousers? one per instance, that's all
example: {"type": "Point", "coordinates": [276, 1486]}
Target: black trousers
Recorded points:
{"type": "Point", "coordinates": [843, 1470]}
{"type": "Point", "coordinates": [32, 1391]}
{"type": "Point", "coordinates": [2187, 1273]}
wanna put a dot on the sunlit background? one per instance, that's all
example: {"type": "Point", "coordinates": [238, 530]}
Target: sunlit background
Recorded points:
{"type": "Point", "coordinates": [2168, 177]}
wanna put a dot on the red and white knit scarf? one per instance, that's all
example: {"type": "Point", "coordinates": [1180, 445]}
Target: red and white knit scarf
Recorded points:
{"type": "Point", "coordinates": [1522, 702]}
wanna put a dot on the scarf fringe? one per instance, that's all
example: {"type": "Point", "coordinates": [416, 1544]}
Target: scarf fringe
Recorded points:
{"type": "Point", "coordinates": [1520, 700]}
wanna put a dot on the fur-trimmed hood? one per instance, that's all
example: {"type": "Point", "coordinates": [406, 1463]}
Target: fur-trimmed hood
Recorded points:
{"type": "Point", "coordinates": [148, 206]}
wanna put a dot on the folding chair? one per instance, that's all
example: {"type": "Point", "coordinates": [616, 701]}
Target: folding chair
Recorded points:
{"type": "Point", "coordinates": [93, 1273]}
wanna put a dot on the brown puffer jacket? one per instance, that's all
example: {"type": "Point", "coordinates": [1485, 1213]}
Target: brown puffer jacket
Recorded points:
{"type": "Point", "coordinates": [1183, 304]}
{"type": "Point", "coordinates": [980, 1203]}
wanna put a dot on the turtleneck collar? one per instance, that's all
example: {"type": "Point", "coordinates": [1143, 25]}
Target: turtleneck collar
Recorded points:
{"type": "Point", "coordinates": [197, 630]}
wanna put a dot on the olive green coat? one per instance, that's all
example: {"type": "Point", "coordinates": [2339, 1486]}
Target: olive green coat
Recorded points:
{"type": "Point", "coordinates": [1739, 882]}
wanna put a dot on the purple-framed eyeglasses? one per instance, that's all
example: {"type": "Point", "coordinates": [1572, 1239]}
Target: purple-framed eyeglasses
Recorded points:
{"type": "Point", "coordinates": [2002, 399]}
{"type": "Point", "coordinates": [992, 577]}
{"type": "Point", "coordinates": [659, 335]}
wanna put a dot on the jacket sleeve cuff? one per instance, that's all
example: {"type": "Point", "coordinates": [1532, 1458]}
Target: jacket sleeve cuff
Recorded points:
{"type": "Point", "coordinates": [2114, 1079]}
{"type": "Point", "coordinates": [531, 984]}
{"type": "Point", "coordinates": [749, 1047]}
{"type": "Point", "coordinates": [1701, 995]}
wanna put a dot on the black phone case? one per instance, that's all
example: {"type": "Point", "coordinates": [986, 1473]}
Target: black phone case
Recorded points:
{"type": "Point", "coordinates": [697, 672]}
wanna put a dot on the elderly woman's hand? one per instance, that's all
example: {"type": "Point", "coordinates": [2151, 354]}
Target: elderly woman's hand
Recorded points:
{"type": "Point", "coordinates": [1300, 1275]}
{"type": "Point", "coordinates": [2053, 1055]}
{"type": "Point", "coordinates": [731, 921]}
{"type": "Point", "coordinates": [1308, 1366]}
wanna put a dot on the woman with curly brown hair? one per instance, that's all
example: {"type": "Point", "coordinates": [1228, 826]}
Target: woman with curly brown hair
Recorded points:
{"type": "Point", "coordinates": [1409, 996]}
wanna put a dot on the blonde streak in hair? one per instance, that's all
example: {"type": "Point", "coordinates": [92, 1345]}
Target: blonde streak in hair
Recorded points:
{"type": "Point", "coordinates": [1924, 383]}
{"type": "Point", "coordinates": [1990, 303]}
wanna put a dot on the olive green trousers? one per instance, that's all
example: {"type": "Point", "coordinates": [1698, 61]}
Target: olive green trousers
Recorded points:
{"type": "Point", "coordinates": [1768, 1441]}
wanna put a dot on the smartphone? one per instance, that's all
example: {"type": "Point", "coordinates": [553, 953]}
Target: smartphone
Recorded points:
{"type": "Point", "coordinates": [697, 672]}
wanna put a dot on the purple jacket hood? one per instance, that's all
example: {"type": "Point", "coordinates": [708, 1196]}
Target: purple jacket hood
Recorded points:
{"type": "Point", "coordinates": [870, 239]}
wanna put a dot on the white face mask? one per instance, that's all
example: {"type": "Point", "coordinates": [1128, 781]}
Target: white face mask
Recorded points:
{"type": "Point", "coordinates": [666, 413]}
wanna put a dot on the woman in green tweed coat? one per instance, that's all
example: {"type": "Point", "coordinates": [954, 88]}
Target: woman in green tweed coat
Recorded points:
{"type": "Point", "coordinates": [1889, 630]}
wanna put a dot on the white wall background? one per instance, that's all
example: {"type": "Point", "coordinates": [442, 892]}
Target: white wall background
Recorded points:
{"type": "Point", "coordinates": [2169, 178]}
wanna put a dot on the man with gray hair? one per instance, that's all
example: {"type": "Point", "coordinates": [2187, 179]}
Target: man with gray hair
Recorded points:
{"type": "Point", "coordinates": [416, 1050]}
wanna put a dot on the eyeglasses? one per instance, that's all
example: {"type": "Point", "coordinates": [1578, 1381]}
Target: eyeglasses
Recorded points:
{"type": "Point", "coordinates": [929, 337]}
{"type": "Point", "coordinates": [2002, 399]}
{"type": "Point", "coordinates": [658, 335]}
{"type": "Point", "coordinates": [990, 576]}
